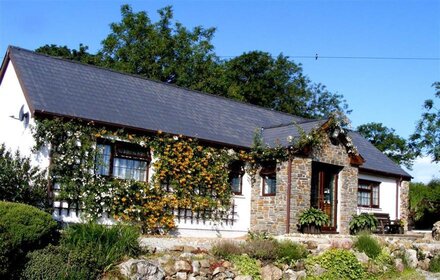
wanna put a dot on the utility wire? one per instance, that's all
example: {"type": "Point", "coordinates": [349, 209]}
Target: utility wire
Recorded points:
{"type": "Point", "coordinates": [317, 57]}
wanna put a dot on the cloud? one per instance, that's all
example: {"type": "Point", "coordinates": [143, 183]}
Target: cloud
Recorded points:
{"type": "Point", "coordinates": [424, 170]}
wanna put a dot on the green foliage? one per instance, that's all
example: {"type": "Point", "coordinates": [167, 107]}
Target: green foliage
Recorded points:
{"type": "Point", "coordinates": [108, 243]}
{"type": "Point", "coordinates": [263, 249]}
{"type": "Point", "coordinates": [22, 228]}
{"type": "Point", "coordinates": [85, 251]}
{"type": "Point", "coordinates": [20, 182]}
{"type": "Point", "coordinates": [434, 265]}
{"type": "Point", "coordinates": [288, 252]}
{"type": "Point", "coordinates": [388, 142]}
{"type": "Point", "coordinates": [368, 244]}
{"type": "Point", "coordinates": [247, 266]}
{"type": "Point", "coordinates": [226, 249]}
{"type": "Point", "coordinates": [313, 216]}
{"type": "Point", "coordinates": [63, 51]}
{"type": "Point", "coordinates": [258, 235]}
{"type": "Point", "coordinates": [46, 264]}
{"type": "Point", "coordinates": [363, 222]}
{"type": "Point", "coordinates": [426, 137]}
{"type": "Point", "coordinates": [259, 78]}
{"type": "Point", "coordinates": [339, 264]}
{"type": "Point", "coordinates": [424, 203]}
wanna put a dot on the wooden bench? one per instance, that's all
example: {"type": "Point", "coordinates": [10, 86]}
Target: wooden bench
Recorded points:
{"type": "Point", "coordinates": [383, 222]}
{"type": "Point", "coordinates": [385, 225]}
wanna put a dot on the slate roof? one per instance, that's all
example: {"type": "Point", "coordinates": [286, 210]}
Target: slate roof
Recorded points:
{"type": "Point", "coordinates": [280, 135]}
{"type": "Point", "coordinates": [375, 160]}
{"type": "Point", "coordinates": [67, 88]}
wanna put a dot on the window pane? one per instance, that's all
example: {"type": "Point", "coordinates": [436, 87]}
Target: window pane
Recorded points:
{"type": "Point", "coordinates": [364, 198]}
{"type": "Point", "coordinates": [375, 196]}
{"type": "Point", "coordinates": [236, 183]}
{"type": "Point", "coordinates": [270, 186]}
{"type": "Point", "coordinates": [102, 160]}
{"type": "Point", "coordinates": [130, 169]}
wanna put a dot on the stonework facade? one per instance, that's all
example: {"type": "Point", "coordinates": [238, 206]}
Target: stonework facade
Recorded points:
{"type": "Point", "coordinates": [404, 202]}
{"type": "Point", "coordinates": [268, 213]}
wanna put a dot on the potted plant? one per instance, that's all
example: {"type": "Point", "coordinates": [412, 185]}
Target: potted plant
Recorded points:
{"type": "Point", "coordinates": [312, 219]}
{"type": "Point", "coordinates": [363, 222]}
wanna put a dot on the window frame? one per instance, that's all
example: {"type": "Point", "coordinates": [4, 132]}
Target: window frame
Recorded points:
{"type": "Point", "coordinates": [236, 168]}
{"type": "Point", "coordinates": [268, 169]}
{"type": "Point", "coordinates": [371, 185]}
{"type": "Point", "coordinates": [114, 153]}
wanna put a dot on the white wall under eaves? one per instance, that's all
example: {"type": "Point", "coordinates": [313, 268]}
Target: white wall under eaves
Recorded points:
{"type": "Point", "coordinates": [16, 134]}
{"type": "Point", "coordinates": [387, 196]}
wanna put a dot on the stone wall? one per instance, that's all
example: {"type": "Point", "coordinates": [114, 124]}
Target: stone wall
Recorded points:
{"type": "Point", "coordinates": [348, 181]}
{"type": "Point", "coordinates": [268, 213]}
{"type": "Point", "coordinates": [404, 202]}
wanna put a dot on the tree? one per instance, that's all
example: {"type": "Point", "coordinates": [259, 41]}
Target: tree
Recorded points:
{"type": "Point", "coordinates": [277, 83]}
{"type": "Point", "coordinates": [388, 142]}
{"type": "Point", "coordinates": [426, 137]}
{"type": "Point", "coordinates": [20, 181]}
{"type": "Point", "coordinates": [162, 50]}
{"type": "Point", "coordinates": [424, 203]}
{"type": "Point", "coordinates": [81, 54]}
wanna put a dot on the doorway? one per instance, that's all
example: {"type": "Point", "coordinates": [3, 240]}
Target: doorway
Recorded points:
{"type": "Point", "coordinates": [324, 192]}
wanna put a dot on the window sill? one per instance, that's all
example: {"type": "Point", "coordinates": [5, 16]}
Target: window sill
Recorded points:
{"type": "Point", "coordinates": [371, 209]}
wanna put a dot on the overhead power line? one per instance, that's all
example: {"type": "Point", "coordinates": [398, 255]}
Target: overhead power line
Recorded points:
{"type": "Point", "coordinates": [317, 57]}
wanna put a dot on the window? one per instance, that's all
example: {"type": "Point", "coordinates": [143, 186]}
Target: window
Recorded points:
{"type": "Point", "coordinates": [122, 160]}
{"type": "Point", "coordinates": [269, 175]}
{"type": "Point", "coordinates": [368, 194]}
{"type": "Point", "coordinates": [236, 172]}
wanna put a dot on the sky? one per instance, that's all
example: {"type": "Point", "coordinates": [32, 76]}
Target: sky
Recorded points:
{"type": "Point", "coordinates": [389, 91]}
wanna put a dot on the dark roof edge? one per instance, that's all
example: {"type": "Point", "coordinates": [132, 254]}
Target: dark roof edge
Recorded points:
{"type": "Point", "coordinates": [137, 129]}
{"type": "Point", "coordinates": [376, 172]}
{"type": "Point", "coordinates": [155, 81]}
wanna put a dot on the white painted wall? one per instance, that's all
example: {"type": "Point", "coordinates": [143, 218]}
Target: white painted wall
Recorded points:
{"type": "Point", "coordinates": [387, 196]}
{"type": "Point", "coordinates": [13, 132]}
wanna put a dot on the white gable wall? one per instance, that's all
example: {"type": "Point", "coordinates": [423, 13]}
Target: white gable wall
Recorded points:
{"type": "Point", "coordinates": [387, 196]}
{"type": "Point", "coordinates": [13, 132]}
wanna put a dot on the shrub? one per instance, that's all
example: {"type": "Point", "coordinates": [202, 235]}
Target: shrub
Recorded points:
{"type": "Point", "coordinates": [226, 248]}
{"type": "Point", "coordinates": [247, 266]}
{"type": "Point", "coordinates": [85, 251]}
{"type": "Point", "coordinates": [363, 222]}
{"type": "Point", "coordinates": [339, 264]}
{"type": "Point", "coordinates": [108, 244]}
{"type": "Point", "coordinates": [369, 245]}
{"type": "Point", "coordinates": [289, 251]}
{"type": "Point", "coordinates": [313, 216]}
{"type": "Point", "coordinates": [20, 182]}
{"type": "Point", "coordinates": [22, 228]}
{"type": "Point", "coordinates": [434, 265]}
{"type": "Point", "coordinates": [264, 249]}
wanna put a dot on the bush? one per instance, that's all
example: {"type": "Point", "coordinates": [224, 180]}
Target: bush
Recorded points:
{"type": "Point", "coordinates": [247, 266]}
{"type": "Point", "coordinates": [108, 244]}
{"type": "Point", "coordinates": [57, 262]}
{"type": "Point", "coordinates": [339, 264]}
{"type": "Point", "coordinates": [85, 251]}
{"type": "Point", "coordinates": [363, 222]}
{"type": "Point", "coordinates": [20, 182]}
{"type": "Point", "coordinates": [264, 249]}
{"type": "Point", "coordinates": [23, 228]}
{"type": "Point", "coordinates": [369, 245]}
{"type": "Point", "coordinates": [434, 265]}
{"type": "Point", "coordinates": [313, 216]}
{"type": "Point", "coordinates": [289, 251]}
{"type": "Point", "coordinates": [226, 248]}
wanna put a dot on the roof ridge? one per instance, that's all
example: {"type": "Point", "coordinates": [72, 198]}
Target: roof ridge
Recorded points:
{"type": "Point", "coordinates": [155, 81]}
{"type": "Point", "coordinates": [292, 123]}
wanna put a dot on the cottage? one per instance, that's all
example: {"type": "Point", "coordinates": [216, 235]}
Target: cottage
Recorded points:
{"type": "Point", "coordinates": [347, 175]}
